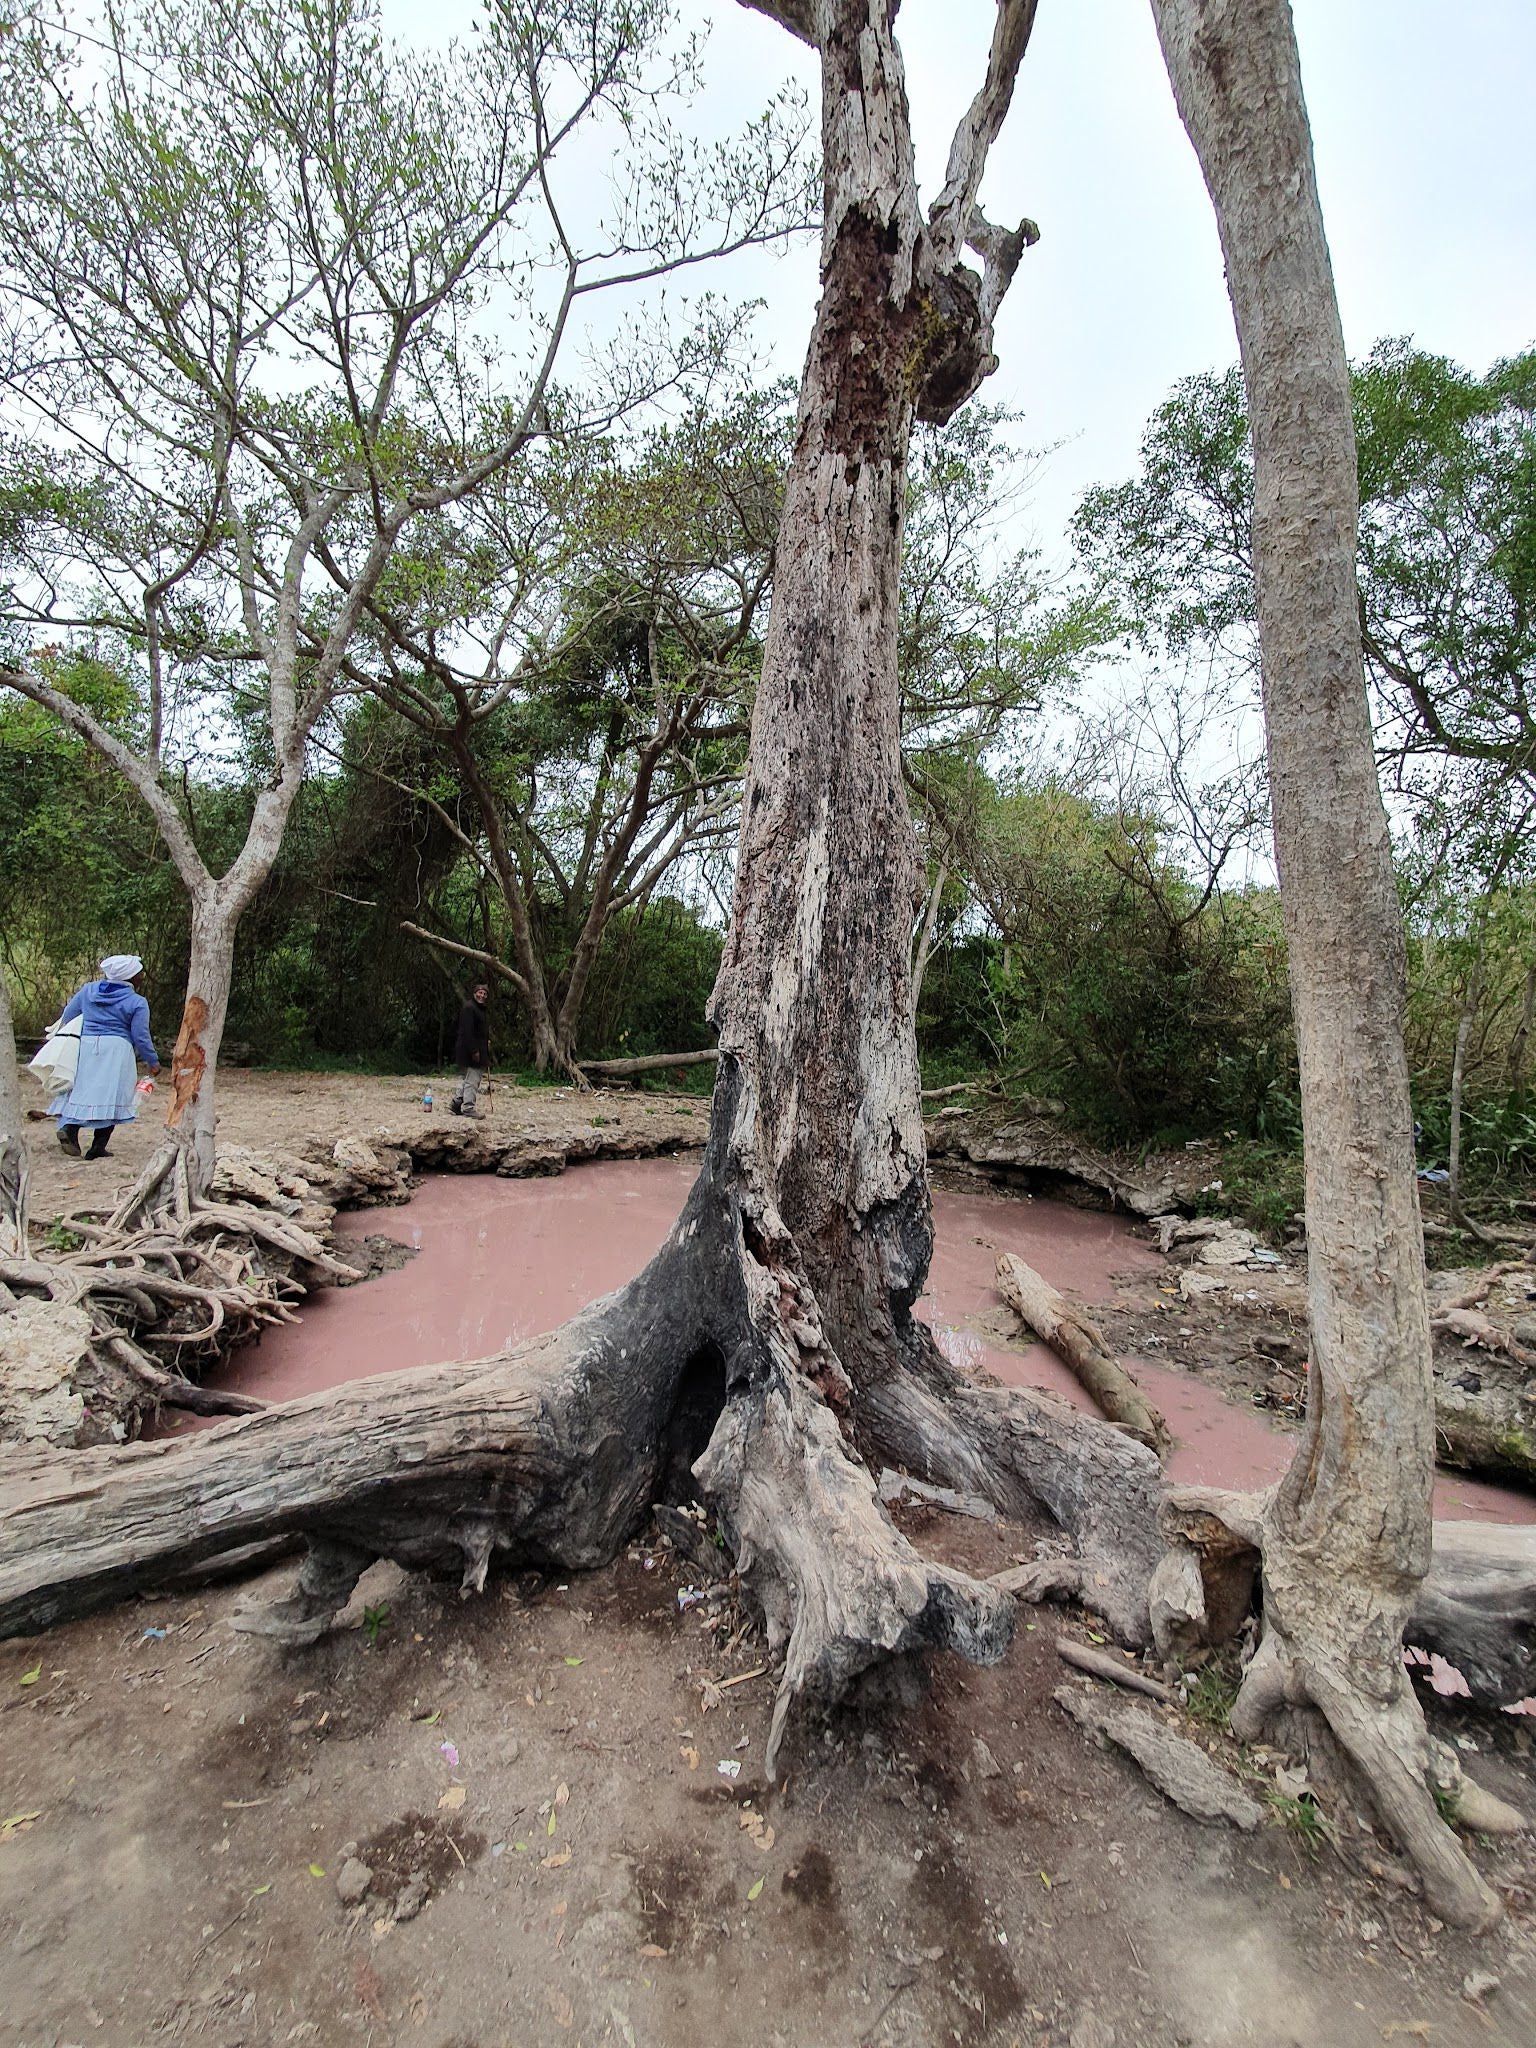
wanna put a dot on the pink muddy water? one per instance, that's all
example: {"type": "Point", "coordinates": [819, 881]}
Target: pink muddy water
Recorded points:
{"type": "Point", "coordinates": [503, 1260]}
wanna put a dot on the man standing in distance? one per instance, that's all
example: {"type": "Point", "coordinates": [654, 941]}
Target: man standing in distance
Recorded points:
{"type": "Point", "coordinates": [471, 1049]}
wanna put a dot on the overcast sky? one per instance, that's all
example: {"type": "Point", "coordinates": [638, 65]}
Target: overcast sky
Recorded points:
{"type": "Point", "coordinates": [1422, 114]}
{"type": "Point", "coordinates": [1422, 117]}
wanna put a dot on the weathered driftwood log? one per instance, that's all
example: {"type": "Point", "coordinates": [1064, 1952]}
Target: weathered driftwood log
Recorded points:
{"type": "Point", "coordinates": [1485, 1382]}
{"type": "Point", "coordinates": [1081, 1345]}
{"type": "Point", "coordinates": [650, 1063]}
{"type": "Point", "coordinates": [1490, 1430]}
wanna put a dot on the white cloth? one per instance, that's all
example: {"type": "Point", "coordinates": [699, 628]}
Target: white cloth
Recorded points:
{"type": "Point", "coordinates": [55, 1064]}
{"type": "Point", "coordinates": [122, 966]}
{"type": "Point", "coordinates": [103, 1091]}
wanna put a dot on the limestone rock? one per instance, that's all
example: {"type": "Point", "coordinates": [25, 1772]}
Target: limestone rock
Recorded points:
{"type": "Point", "coordinates": [352, 1881]}
{"type": "Point", "coordinates": [44, 1345]}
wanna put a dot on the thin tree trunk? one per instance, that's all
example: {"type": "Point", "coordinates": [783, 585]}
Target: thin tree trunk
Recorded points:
{"type": "Point", "coordinates": [924, 945]}
{"type": "Point", "coordinates": [15, 1160]}
{"type": "Point", "coordinates": [1470, 1004]}
{"type": "Point", "coordinates": [181, 1170]}
{"type": "Point", "coordinates": [1520, 1041]}
{"type": "Point", "coordinates": [1346, 1535]}
{"type": "Point", "coordinates": [541, 1027]}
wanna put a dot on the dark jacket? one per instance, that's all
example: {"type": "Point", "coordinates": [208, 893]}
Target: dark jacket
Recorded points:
{"type": "Point", "coordinates": [472, 1040]}
{"type": "Point", "coordinates": [113, 1009]}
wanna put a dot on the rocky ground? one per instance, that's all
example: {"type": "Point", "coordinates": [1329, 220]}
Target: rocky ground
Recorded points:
{"type": "Point", "coordinates": [304, 1116]}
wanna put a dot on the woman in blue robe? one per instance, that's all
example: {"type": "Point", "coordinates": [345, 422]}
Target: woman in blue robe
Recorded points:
{"type": "Point", "coordinates": [114, 1033]}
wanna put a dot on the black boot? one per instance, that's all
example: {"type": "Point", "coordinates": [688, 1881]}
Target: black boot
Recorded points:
{"type": "Point", "coordinates": [69, 1138]}
{"type": "Point", "coordinates": [99, 1144]}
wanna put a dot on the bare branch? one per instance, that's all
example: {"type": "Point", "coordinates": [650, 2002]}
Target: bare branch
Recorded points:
{"type": "Point", "coordinates": [949, 218]}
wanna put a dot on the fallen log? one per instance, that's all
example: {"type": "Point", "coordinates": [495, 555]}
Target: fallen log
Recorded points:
{"type": "Point", "coordinates": [650, 1063]}
{"type": "Point", "coordinates": [1082, 1347]}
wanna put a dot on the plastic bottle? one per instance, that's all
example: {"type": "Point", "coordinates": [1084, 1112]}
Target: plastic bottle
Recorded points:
{"type": "Point", "coordinates": [145, 1087]}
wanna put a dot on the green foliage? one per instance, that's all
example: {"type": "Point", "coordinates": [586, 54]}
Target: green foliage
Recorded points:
{"type": "Point", "coordinates": [1149, 1008]}
{"type": "Point", "coordinates": [1212, 1698]}
{"type": "Point", "coordinates": [1262, 1182]}
{"type": "Point", "coordinates": [1303, 1817]}
{"type": "Point", "coordinates": [1447, 564]}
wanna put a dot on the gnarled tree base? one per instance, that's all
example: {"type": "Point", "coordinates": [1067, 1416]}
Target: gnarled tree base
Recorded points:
{"type": "Point", "coordinates": [1306, 1666]}
{"type": "Point", "coordinates": [706, 1375]}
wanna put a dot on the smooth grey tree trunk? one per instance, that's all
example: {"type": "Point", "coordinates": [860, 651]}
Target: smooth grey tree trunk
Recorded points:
{"type": "Point", "coordinates": [15, 1161]}
{"type": "Point", "coordinates": [1345, 1538]}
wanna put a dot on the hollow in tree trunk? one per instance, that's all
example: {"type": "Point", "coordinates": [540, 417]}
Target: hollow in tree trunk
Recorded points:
{"type": "Point", "coordinates": [1345, 1537]}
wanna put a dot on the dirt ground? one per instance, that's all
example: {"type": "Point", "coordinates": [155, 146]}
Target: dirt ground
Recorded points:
{"type": "Point", "coordinates": [539, 1773]}
{"type": "Point", "coordinates": [532, 1782]}
{"type": "Point", "coordinates": [281, 1112]}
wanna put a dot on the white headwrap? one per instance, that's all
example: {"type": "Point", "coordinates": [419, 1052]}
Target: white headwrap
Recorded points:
{"type": "Point", "coordinates": [122, 966]}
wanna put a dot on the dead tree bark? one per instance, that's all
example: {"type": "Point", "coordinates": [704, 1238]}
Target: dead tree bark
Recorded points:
{"type": "Point", "coordinates": [1080, 1344]}
{"type": "Point", "coordinates": [771, 1345]}
{"type": "Point", "coordinates": [1345, 1537]}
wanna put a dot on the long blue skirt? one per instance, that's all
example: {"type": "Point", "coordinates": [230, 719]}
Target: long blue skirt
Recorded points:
{"type": "Point", "coordinates": [102, 1094]}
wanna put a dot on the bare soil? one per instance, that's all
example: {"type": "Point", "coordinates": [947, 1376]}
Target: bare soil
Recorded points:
{"type": "Point", "coordinates": [281, 1112]}
{"type": "Point", "coordinates": [532, 1780]}
{"type": "Point", "coordinates": [197, 1793]}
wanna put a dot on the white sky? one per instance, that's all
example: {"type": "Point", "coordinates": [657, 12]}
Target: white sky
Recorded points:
{"type": "Point", "coordinates": [1422, 114]}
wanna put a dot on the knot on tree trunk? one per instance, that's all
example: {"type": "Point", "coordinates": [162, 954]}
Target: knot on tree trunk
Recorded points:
{"type": "Point", "coordinates": [953, 352]}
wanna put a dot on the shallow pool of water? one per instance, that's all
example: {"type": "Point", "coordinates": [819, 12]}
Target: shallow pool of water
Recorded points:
{"type": "Point", "coordinates": [503, 1260]}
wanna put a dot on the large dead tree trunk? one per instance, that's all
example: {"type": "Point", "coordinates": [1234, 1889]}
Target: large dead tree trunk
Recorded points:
{"type": "Point", "coordinates": [771, 1344]}
{"type": "Point", "coordinates": [1345, 1537]}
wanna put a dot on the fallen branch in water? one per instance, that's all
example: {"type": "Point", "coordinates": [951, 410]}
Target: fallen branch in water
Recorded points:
{"type": "Point", "coordinates": [1081, 1346]}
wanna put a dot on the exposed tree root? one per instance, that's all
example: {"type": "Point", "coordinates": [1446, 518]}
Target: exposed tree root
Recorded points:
{"type": "Point", "coordinates": [1078, 1341]}
{"type": "Point", "coordinates": [1027, 1452]}
{"type": "Point", "coordinates": [134, 1312]}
